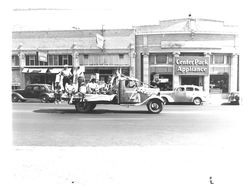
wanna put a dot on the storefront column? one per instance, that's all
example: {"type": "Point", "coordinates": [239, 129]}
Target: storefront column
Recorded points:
{"type": "Point", "coordinates": [233, 73]}
{"type": "Point", "coordinates": [132, 64]}
{"type": "Point", "coordinates": [176, 78]}
{"type": "Point", "coordinates": [207, 78]}
{"type": "Point", "coordinates": [146, 68]}
{"type": "Point", "coordinates": [22, 65]}
{"type": "Point", "coordinates": [75, 62]}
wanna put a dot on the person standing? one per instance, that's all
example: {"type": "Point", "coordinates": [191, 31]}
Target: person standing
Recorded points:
{"type": "Point", "coordinates": [79, 77]}
{"type": "Point", "coordinates": [66, 74]}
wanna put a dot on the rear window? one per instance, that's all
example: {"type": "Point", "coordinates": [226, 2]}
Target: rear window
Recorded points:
{"type": "Point", "coordinates": [189, 89]}
{"type": "Point", "coordinates": [196, 89]}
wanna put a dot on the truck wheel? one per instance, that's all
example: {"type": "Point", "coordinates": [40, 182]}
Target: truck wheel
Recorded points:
{"type": "Point", "coordinates": [165, 100]}
{"type": "Point", "coordinates": [15, 98]}
{"type": "Point", "coordinates": [197, 101]}
{"type": "Point", "coordinates": [84, 107]}
{"type": "Point", "coordinates": [155, 106]}
{"type": "Point", "coordinates": [44, 98]}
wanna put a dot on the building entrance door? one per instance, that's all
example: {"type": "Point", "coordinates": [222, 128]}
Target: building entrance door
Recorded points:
{"type": "Point", "coordinates": [190, 80]}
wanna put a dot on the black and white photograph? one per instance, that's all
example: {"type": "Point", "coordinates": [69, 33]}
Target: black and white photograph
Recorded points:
{"type": "Point", "coordinates": [127, 98]}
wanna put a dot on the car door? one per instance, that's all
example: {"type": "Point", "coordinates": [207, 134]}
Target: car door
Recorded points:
{"type": "Point", "coordinates": [179, 94]}
{"type": "Point", "coordinates": [128, 93]}
{"type": "Point", "coordinates": [36, 91]}
{"type": "Point", "coordinates": [29, 93]}
{"type": "Point", "coordinates": [189, 94]}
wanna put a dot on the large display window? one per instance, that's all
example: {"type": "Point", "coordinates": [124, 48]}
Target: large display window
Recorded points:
{"type": "Point", "coordinates": [219, 83]}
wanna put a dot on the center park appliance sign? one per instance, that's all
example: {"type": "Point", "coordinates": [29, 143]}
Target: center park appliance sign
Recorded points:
{"type": "Point", "coordinates": [191, 65]}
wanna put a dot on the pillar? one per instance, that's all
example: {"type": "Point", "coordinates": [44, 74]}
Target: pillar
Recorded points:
{"type": "Point", "coordinates": [176, 78]}
{"type": "Point", "coordinates": [22, 64]}
{"type": "Point", "coordinates": [132, 63]}
{"type": "Point", "coordinates": [207, 78]}
{"type": "Point", "coordinates": [146, 76]}
{"type": "Point", "coordinates": [233, 73]}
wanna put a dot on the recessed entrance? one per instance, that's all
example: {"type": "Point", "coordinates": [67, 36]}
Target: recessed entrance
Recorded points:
{"type": "Point", "coordinates": [190, 80]}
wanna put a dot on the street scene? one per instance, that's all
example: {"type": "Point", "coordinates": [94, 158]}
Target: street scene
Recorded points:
{"type": "Point", "coordinates": [48, 124]}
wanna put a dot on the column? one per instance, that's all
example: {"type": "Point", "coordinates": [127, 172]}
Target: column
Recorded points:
{"type": "Point", "coordinates": [146, 67]}
{"type": "Point", "coordinates": [132, 63]}
{"type": "Point", "coordinates": [75, 61]}
{"type": "Point", "coordinates": [207, 78]}
{"type": "Point", "coordinates": [233, 73]}
{"type": "Point", "coordinates": [22, 65]}
{"type": "Point", "coordinates": [176, 78]}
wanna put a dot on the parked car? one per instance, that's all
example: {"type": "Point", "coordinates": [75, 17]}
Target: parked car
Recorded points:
{"type": "Point", "coordinates": [43, 92]}
{"type": "Point", "coordinates": [185, 94]}
{"type": "Point", "coordinates": [234, 98]}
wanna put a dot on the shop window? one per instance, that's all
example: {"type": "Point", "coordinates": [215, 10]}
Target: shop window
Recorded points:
{"type": "Point", "coordinates": [151, 59]}
{"type": "Point", "coordinates": [161, 59]}
{"type": "Point", "coordinates": [121, 56]}
{"type": "Point", "coordinates": [86, 56]}
{"type": "Point", "coordinates": [65, 60]}
{"type": "Point", "coordinates": [170, 59]}
{"type": "Point", "coordinates": [228, 59]}
{"type": "Point", "coordinates": [219, 83]}
{"type": "Point", "coordinates": [219, 59]}
{"type": "Point", "coordinates": [15, 60]}
{"type": "Point", "coordinates": [32, 59]}
{"type": "Point", "coordinates": [53, 60]}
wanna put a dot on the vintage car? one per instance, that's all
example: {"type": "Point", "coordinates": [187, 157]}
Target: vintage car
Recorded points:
{"type": "Point", "coordinates": [128, 91]}
{"type": "Point", "coordinates": [185, 94]}
{"type": "Point", "coordinates": [43, 92]}
{"type": "Point", "coordinates": [234, 98]}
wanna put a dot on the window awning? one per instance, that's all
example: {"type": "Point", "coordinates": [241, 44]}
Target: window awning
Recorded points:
{"type": "Point", "coordinates": [41, 70]}
{"type": "Point", "coordinates": [25, 70]}
{"type": "Point", "coordinates": [55, 70]}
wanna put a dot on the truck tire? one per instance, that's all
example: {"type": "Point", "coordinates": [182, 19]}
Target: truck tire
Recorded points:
{"type": "Point", "coordinates": [83, 107]}
{"type": "Point", "coordinates": [155, 106]}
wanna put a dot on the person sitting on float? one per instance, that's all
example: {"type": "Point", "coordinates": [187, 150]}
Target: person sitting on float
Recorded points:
{"type": "Point", "coordinates": [70, 89]}
{"type": "Point", "coordinates": [92, 87]}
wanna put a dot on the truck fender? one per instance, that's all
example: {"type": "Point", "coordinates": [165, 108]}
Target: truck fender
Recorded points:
{"type": "Point", "coordinates": [19, 95]}
{"type": "Point", "coordinates": [168, 97]}
{"type": "Point", "coordinates": [149, 99]}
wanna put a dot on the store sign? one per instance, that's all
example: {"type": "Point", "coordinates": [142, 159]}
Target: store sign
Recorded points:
{"type": "Point", "coordinates": [42, 56]}
{"type": "Point", "coordinates": [191, 65]}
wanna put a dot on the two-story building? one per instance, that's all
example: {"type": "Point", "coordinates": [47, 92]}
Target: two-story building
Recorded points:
{"type": "Point", "coordinates": [37, 56]}
{"type": "Point", "coordinates": [189, 51]}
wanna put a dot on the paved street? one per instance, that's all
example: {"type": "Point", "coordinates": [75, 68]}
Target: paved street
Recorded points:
{"type": "Point", "coordinates": [37, 124]}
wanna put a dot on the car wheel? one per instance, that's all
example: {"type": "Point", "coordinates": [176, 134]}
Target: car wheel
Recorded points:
{"type": "Point", "coordinates": [44, 98]}
{"type": "Point", "coordinates": [15, 98]}
{"type": "Point", "coordinates": [83, 107]}
{"type": "Point", "coordinates": [155, 106]}
{"type": "Point", "coordinates": [197, 101]}
{"type": "Point", "coordinates": [165, 100]}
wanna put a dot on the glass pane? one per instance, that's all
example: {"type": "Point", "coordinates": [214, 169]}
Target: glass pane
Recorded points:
{"type": "Point", "coordinates": [151, 59]}
{"type": "Point", "coordinates": [218, 59]}
{"type": "Point", "coordinates": [161, 59]}
{"type": "Point", "coordinates": [189, 89]}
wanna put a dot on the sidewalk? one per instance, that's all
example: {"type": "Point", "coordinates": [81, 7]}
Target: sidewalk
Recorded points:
{"type": "Point", "coordinates": [217, 99]}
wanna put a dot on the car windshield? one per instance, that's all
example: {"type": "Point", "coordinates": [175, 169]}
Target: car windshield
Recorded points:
{"type": "Point", "coordinates": [49, 87]}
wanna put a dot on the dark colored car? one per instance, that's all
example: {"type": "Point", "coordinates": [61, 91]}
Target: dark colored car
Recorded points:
{"type": "Point", "coordinates": [234, 98]}
{"type": "Point", "coordinates": [43, 92]}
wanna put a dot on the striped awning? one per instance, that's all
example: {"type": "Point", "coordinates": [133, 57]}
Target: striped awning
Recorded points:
{"type": "Point", "coordinates": [37, 70]}
{"type": "Point", "coordinates": [55, 70]}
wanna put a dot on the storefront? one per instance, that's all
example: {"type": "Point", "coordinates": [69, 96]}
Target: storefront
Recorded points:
{"type": "Point", "coordinates": [189, 51]}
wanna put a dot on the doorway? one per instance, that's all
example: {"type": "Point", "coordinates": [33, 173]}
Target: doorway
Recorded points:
{"type": "Point", "coordinates": [190, 80]}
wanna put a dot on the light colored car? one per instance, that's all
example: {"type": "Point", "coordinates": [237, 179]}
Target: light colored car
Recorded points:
{"type": "Point", "coordinates": [185, 94]}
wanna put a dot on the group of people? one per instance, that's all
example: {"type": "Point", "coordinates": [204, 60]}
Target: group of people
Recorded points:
{"type": "Point", "coordinates": [68, 84]}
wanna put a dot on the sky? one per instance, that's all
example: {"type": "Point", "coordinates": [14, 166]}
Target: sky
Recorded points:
{"type": "Point", "coordinates": [52, 15]}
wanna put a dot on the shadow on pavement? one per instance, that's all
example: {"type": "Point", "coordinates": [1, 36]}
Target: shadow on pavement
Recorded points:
{"type": "Point", "coordinates": [98, 111]}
